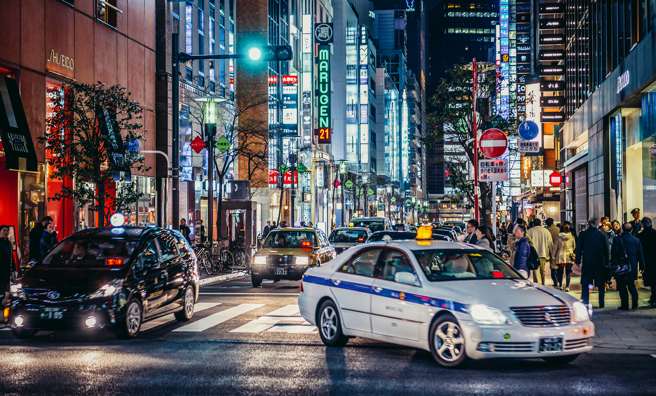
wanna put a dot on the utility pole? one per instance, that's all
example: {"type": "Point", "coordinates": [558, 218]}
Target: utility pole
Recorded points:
{"type": "Point", "coordinates": [175, 171]}
{"type": "Point", "coordinates": [475, 128]}
{"type": "Point", "coordinates": [292, 162]}
{"type": "Point", "coordinates": [209, 132]}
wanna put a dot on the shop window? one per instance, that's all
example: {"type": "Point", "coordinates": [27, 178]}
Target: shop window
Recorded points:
{"type": "Point", "coordinates": [106, 11]}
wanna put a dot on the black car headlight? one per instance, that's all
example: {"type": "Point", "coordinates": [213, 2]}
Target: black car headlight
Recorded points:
{"type": "Point", "coordinates": [110, 289]}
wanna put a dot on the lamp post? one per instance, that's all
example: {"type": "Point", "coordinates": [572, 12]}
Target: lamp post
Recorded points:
{"type": "Point", "coordinates": [414, 210]}
{"type": "Point", "coordinates": [209, 119]}
{"type": "Point", "coordinates": [342, 173]}
{"type": "Point", "coordinates": [390, 190]}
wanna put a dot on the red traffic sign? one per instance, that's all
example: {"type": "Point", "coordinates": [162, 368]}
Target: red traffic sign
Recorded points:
{"type": "Point", "coordinates": [197, 144]}
{"type": "Point", "coordinates": [336, 184]}
{"type": "Point", "coordinates": [652, 151]}
{"type": "Point", "coordinates": [493, 143]}
{"type": "Point", "coordinates": [555, 179]}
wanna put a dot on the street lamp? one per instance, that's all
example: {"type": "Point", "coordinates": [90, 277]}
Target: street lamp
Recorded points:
{"type": "Point", "coordinates": [342, 173]}
{"type": "Point", "coordinates": [210, 129]}
{"type": "Point", "coordinates": [390, 190]}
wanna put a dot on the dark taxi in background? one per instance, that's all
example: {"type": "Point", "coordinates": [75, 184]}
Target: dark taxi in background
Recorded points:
{"type": "Point", "coordinates": [343, 238]}
{"type": "Point", "coordinates": [106, 278]}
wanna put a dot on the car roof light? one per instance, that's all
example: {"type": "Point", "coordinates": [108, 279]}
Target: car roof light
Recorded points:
{"type": "Point", "coordinates": [117, 219]}
{"type": "Point", "coordinates": [425, 232]}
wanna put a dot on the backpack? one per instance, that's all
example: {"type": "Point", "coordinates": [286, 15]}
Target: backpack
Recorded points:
{"type": "Point", "coordinates": [533, 261]}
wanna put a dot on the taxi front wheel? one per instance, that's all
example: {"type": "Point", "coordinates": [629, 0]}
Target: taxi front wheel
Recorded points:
{"type": "Point", "coordinates": [447, 342]}
{"type": "Point", "coordinates": [330, 325]}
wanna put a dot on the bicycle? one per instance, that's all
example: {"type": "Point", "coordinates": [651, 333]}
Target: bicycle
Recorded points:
{"type": "Point", "coordinates": [204, 260]}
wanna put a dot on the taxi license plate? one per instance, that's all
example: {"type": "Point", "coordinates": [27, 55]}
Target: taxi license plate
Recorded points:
{"type": "Point", "coordinates": [551, 344]}
{"type": "Point", "coordinates": [52, 313]}
{"type": "Point", "coordinates": [280, 271]}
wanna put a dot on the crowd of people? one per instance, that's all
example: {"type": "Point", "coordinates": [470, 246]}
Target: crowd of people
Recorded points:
{"type": "Point", "coordinates": [601, 247]}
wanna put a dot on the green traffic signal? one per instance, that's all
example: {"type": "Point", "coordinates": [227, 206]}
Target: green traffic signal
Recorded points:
{"type": "Point", "coordinates": [271, 53]}
{"type": "Point", "coordinates": [254, 53]}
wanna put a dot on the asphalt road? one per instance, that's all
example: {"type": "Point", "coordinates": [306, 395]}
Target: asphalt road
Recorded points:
{"type": "Point", "coordinates": [252, 341]}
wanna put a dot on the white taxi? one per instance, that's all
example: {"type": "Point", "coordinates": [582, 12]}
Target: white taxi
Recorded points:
{"type": "Point", "coordinates": [455, 300]}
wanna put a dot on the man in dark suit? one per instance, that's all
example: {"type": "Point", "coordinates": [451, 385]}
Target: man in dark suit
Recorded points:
{"type": "Point", "coordinates": [592, 255]}
{"type": "Point", "coordinates": [627, 244]}
{"type": "Point", "coordinates": [472, 226]}
{"type": "Point", "coordinates": [636, 226]}
{"type": "Point", "coordinates": [648, 241]}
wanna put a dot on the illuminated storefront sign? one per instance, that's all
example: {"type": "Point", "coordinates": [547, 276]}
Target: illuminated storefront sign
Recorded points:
{"type": "Point", "coordinates": [364, 96]}
{"type": "Point", "coordinates": [289, 106]}
{"type": "Point", "coordinates": [323, 93]}
{"type": "Point", "coordinates": [622, 81]}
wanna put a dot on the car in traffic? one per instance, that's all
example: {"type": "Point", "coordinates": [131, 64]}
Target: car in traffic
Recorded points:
{"type": "Point", "coordinates": [113, 278]}
{"type": "Point", "coordinates": [448, 233]}
{"type": "Point", "coordinates": [343, 238]}
{"type": "Point", "coordinates": [393, 236]}
{"type": "Point", "coordinates": [373, 223]}
{"type": "Point", "coordinates": [454, 300]}
{"type": "Point", "coordinates": [287, 253]}
{"type": "Point", "coordinates": [400, 227]}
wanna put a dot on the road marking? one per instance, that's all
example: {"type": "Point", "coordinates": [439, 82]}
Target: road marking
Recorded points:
{"type": "Point", "coordinates": [218, 318]}
{"type": "Point", "coordinates": [168, 318]}
{"type": "Point", "coordinates": [251, 294]}
{"type": "Point", "coordinates": [269, 322]}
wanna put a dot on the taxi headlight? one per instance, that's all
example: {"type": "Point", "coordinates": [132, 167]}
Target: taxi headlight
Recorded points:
{"type": "Point", "coordinates": [109, 289]}
{"type": "Point", "coordinates": [482, 314]}
{"type": "Point", "coordinates": [259, 260]}
{"type": "Point", "coordinates": [16, 290]}
{"type": "Point", "coordinates": [302, 261]}
{"type": "Point", "coordinates": [580, 311]}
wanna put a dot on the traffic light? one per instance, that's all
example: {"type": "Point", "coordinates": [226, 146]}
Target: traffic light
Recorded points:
{"type": "Point", "coordinates": [271, 53]}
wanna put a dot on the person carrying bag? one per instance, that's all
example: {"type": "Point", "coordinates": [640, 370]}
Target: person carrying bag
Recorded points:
{"type": "Point", "coordinates": [626, 253]}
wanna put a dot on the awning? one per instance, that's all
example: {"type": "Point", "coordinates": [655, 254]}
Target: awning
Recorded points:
{"type": "Point", "coordinates": [14, 131]}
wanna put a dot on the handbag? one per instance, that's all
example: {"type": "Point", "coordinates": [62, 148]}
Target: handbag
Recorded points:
{"type": "Point", "coordinates": [572, 256]}
{"type": "Point", "coordinates": [620, 266]}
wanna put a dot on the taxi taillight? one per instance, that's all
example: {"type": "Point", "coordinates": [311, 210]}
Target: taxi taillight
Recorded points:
{"type": "Point", "coordinates": [114, 261]}
{"type": "Point", "coordinates": [306, 244]}
{"type": "Point", "coordinates": [301, 286]}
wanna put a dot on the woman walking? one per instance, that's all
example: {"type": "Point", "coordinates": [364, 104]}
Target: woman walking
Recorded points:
{"type": "Point", "coordinates": [563, 256]}
{"type": "Point", "coordinates": [484, 238]}
{"type": "Point", "coordinates": [48, 239]}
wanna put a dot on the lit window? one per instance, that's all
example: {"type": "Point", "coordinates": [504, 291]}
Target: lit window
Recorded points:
{"type": "Point", "coordinates": [106, 11]}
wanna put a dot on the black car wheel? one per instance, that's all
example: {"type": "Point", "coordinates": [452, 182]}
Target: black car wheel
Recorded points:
{"type": "Point", "coordinates": [330, 325]}
{"type": "Point", "coordinates": [447, 342]}
{"type": "Point", "coordinates": [188, 305]}
{"type": "Point", "coordinates": [24, 333]}
{"type": "Point", "coordinates": [257, 281]}
{"type": "Point", "coordinates": [558, 360]}
{"type": "Point", "coordinates": [130, 326]}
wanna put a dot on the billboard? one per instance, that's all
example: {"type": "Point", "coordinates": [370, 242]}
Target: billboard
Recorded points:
{"type": "Point", "coordinates": [289, 106]}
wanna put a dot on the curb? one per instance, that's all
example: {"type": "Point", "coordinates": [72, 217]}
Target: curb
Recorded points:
{"type": "Point", "coordinates": [221, 278]}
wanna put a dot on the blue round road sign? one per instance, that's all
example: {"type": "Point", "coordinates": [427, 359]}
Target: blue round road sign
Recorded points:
{"type": "Point", "coordinates": [529, 130]}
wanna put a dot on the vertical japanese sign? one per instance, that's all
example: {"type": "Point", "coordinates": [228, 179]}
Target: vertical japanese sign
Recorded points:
{"type": "Point", "coordinates": [112, 133]}
{"type": "Point", "coordinates": [364, 96]}
{"type": "Point", "coordinates": [323, 94]}
{"type": "Point", "coordinates": [306, 83]}
{"type": "Point", "coordinates": [289, 106]}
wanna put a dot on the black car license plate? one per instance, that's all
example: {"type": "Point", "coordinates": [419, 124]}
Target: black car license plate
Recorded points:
{"type": "Point", "coordinates": [551, 344]}
{"type": "Point", "coordinates": [280, 271]}
{"type": "Point", "coordinates": [52, 313]}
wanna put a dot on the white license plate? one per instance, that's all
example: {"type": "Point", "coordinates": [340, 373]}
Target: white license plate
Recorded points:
{"type": "Point", "coordinates": [52, 313]}
{"type": "Point", "coordinates": [280, 271]}
{"type": "Point", "coordinates": [551, 344]}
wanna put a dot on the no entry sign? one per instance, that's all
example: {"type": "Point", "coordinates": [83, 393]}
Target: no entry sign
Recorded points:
{"type": "Point", "coordinates": [493, 143]}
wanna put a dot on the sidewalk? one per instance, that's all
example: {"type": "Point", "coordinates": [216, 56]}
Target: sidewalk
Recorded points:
{"type": "Point", "coordinates": [220, 277]}
{"type": "Point", "coordinates": [618, 331]}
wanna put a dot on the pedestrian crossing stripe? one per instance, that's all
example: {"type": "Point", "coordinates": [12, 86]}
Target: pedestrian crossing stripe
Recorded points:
{"type": "Point", "coordinates": [217, 318]}
{"type": "Point", "coordinates": [272, 322]}
{"type": "Point", "coordinates": [170, 318]}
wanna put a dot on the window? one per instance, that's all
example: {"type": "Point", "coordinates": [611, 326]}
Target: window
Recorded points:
{"type": "Point", "coordinates": [362, 263]}
{"type": "Point", "coordinates": [150, 253]}
{"type": "Point", "coordinates": [167, 246]}
{"type": "Point", "coordinates": [394, 262]}
{"type": "Point", "coordinates": [448, 265]}
{"type": "Point", "coordinates": [106, 11]}
{"type": "Point", "coordinates": [201, 20]}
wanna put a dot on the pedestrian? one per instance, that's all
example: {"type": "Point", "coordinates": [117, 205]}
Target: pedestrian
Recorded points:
{"type": "Point", "coordinates": [184, 229]}
{"type": "Point", "coordinates": [648, 241]}
{"type": "Point", "coordinates": [266, 230]}
{"type": "Point", "coordinates": [7, 263]}
{"type": "Point", "coordinates": [617, 227]}
{"type": "Point", "coordinates": [311, 225]}
{"type": "Point", "coordinates": [607, 229]}
{"type": "Point", "coordinates": [273, 227]}
{"type": "Point", "coordinates": [542, 241]}
{"type": "Point", "coordinates": [522, 250]}
{"type": "Point", "coordinates": [512, 241]}
{"type": "Point", "coordinates": [592, 255]}
{"type": "Point", "coordinates": [35, 238]}
{"type": "Point", "coordinates": [553, 229]}
{"type": "Point", "coordinates": [484, 238]}
{"type": "Point", "coordinates": [562, 256]}
{"type": "Point", "coordinates": [472, 226]}
{"type": "Point", "coordinates": [626, 245]}
{"type": "Point", "coordinates": [636, 226]}
{"type": "Point", "coordinates": [202, 233]}
{"type": "Point", "coordinates": [283, 224]}
{"type": "Point", "coordinates": [48, 239]}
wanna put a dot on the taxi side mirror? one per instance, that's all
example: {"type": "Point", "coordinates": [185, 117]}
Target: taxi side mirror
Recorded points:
{"type": "Point", "coordinates": [406, 278]}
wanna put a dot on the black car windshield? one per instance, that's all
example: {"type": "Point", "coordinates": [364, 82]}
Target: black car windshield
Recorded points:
{"type": "Point", "coordinates": [290, 239]}
{"type": "Point", "coordinates": [456, 264]}
{"type": "Point", "coordinates": [90, 251]}
{"type": "Point", "coordinates": [348, 236]}
{"type": "Point", "coordinates": [394, 235]}
{"type": "Point", "coordinates": [374, 225]}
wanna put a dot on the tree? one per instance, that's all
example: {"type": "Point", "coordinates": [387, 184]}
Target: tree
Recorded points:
{"type": "Point", "coordinates": [450, 123]}
{"type": "Point", "coordinates": [83, 150]}
{"type": "Point", "coordinates": [248, 137]}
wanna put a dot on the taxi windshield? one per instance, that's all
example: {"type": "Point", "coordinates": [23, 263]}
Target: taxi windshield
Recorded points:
{"type": "Point", "coordinates": [456, 264]}
{"type": "Point", "coordinates": [374, 225]}
{"type": "Point", "coordinates": [290, 239]}
{"type": "Point", "coordinates": [90, 252]}
{"type": "Point", "coordinates": [348, 236]}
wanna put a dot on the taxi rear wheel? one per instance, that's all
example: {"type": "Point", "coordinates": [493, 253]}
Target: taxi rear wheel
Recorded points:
{"type": "Point", "coordinates": [447, 342]}
{"type": "Point", "coordinates": [330, 325]}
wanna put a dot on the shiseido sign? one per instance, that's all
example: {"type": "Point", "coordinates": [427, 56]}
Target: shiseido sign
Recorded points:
{"type": "Point", "coordinates": [552, 8]}
{"type": "Point", "coordinates": [549, 39]}
{"type": "Point", "coordinates": [552, 23]}
{"type": "Point", "coordinates": [552, 86]}
{"type": "Point", "coordinates": [557, 116]}
{"type": "Point", "coordinates": [552, 101]}
{"type": "Point", "coordinates": [556, 70]}
{"type": "Point", "coordinates": [552, 55]}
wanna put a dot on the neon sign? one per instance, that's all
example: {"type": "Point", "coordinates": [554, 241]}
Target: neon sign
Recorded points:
{"type": "Point", "coordinates": [323, 90]}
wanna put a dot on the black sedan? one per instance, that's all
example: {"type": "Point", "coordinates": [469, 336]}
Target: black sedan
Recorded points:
{"type": "Point", "coordinates": [111, 278]}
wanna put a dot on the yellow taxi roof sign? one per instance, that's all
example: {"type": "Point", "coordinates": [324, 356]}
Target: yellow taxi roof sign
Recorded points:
{"type": "Point", "coordinates": [425, 232]}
